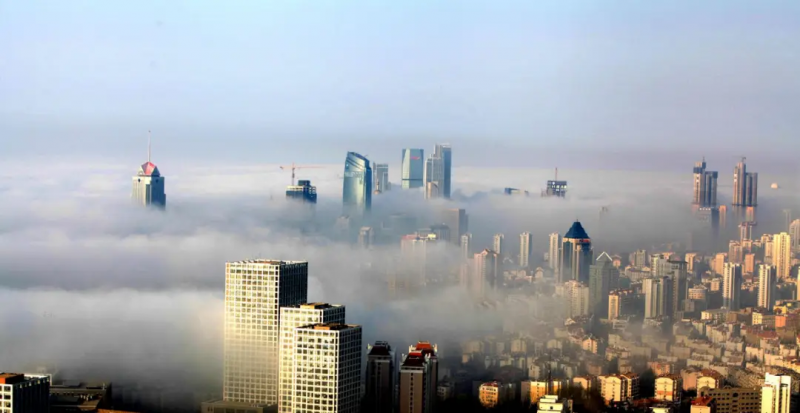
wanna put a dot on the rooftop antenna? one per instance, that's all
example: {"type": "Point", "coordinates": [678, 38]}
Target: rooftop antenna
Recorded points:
{"type": "Point", "coordinates": [148, 145]}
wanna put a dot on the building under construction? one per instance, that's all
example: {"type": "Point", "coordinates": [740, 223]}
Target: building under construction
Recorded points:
{"type": "Point", "coordinates": [555, 188]}
{"type": "Point", "coordinates": [303, 192]}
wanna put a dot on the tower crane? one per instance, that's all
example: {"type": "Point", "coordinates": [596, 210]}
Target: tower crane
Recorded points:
{"type": "Point", "coordinates": [292, 167]}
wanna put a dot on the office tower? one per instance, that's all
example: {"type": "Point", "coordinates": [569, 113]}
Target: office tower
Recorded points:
{"type": "Point", "coordinates": [357, 185]}
{"type": "Point", "coordinates": [458, 222]}
{"type": "Point", "coordinates": [255, 291]}
{"type": "Point", "coordinates": [745, 186]}
{"type": "Point", "coordinates": [148, 185]}
{"type": "Point", "coordinates": [731, 285]}
{"type": "Point", "coordinates": [525, 249]}
{"type": "Point", "coordinates": [466, 246]}
{"type": "Point", "coordinates": [412, 168]}
{"type": "Point", "coordinates": [555, 188]}
{"type": "Point", "coordinates": [435, 175]}
{"type": "Point", "coordinates": [782, 254]}
{"type": "Point", "coordinates": [21, 393]}
{"type": "Point", "coordinates": [380, 177]}
{"type": "Point", "coordinates": [366, 237]}
{"type": "Point", "coordinates": [766, 286]}
{"type": "Point", "coordinates": [746, 231]}
{"type": "Point", "coordinates": [777, 394]}
{"type": "Point", "coordinates": [302, 192]}
{"type": "Point", "coordinates": [620, 303]}
{"type": "Point", "coordinates": [603, 277]}
{"type": "Point", "coordinates": [486, 275]}
{"type": "Point", "coordinates": [445, 153]}
{"type": "Point", "coordinates": [658, 297]}
{"type": "Point", "coordinates": [497, 245]}
{"type": "Point", "coordinates": [291, 318]}
{"type": "Point", "coordinates": [554, 254]}
{"type": "Point", "coordinates": [380, 379]}
{"type": "Point", "coordinates": [576, 254]}
{"type": "Point", "coordinates": [577, 295]}
{"type": "Point", "coordinates": [639, 258]}
{"type": "Point", "coordinates": [432, 190]}
{"type": "Point", "coordinates": [705, 186]}
{"type": "Point", "coordinates": [326, 368]}
{"type": "Point", "coordinates": [419, 372]}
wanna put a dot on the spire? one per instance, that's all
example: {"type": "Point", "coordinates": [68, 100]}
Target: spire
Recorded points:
{"type": "Point", "coordinates": [148, 145]}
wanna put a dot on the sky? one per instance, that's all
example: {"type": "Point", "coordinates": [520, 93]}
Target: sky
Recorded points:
{"type": "Point", "coordinates": [637, 85]}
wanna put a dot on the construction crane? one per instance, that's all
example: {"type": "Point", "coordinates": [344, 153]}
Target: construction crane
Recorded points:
{"type": "Point", "coordinates": [293, 167]}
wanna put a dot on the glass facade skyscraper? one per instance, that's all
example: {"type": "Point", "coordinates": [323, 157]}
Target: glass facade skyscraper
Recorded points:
{"type": "Point", "coordinates": [412, 168]}
{"type": "Point", "coordinates": [357, 186]}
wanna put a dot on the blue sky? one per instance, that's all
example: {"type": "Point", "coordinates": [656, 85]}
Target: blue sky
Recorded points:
{"type": "Point", "coordinates": [310, 80]}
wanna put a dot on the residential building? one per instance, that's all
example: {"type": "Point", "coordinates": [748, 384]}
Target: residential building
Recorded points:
{"type": "Point", "coordinates": [677, 271]}
{"type": "Point", "coordinates": [326, 368]}
{"type": "Point", "coordinates": [668, 388]}
{"type": "Point", "coordinates": [745, 186]}
{"type": "Point", "coordinates": [619, 387]}
{"type": "Point", "coordinates": [357, 185]}
{"type": "Point", "coordinates": [466, 246]}
{"type": "Point", "coordinates": [419, 372]}
{"type": "Point", "coordinates": [552, 403]}
{"type": "Point", "coordinates": [576, 254]}
{"type": "Point", "coordinates": [486, 274]}
{"type": "Point", "coordinates": [731, 286]}
{"type": "Point", "coordinates": [776, 394]}
{"type": "Point", "coordinates": [703, 405]}
{"type": "Point", "coordinates": [554, 256]}
{"type": "Point", "coordinates": [23, 393]}
{"type": "Point", "coordinates": [658, 297]}
{"type": "Point", "coordinates": [735, 399]}
{"type": "Point", "coordinates": [705, 186]}
{"type": "Point", "coordinates": [255, 290]}
{"type": "Point", "coordinates": [782, 255]}
{"type": "Point", "coordinates": [412, 168]}
{"type": "Point", "coordinates": [746, 231]}
{"type": "Point", "coordinates": [366, 237]}
{"type": "Point", "coordinates": [577, 295]}
{"type": "Point", "coordinates": [766, 286]}
{"type": "Point", "coordinates": [495, 393]}
{"type": "Point", "coordinates": [531, 391]}
{"type": "Point", "coordinates": [794, 234]}
{"type": "Point", "coordinates": [525, 249]}
{"type": "Point", "coordinates": [497, 244]}
{"type": "Point", "coordinates": [291, 318]}
{"type": "Point", "coordinates": [458, 221]}
{"type": "Point", "coordinates": [603, 278]}
{"type": "Point", "coordinates": [620, 303]}
{"type": "Point", "coordinates": [380, 378]}
{"type": "Point", "coordinates": [148, 185]}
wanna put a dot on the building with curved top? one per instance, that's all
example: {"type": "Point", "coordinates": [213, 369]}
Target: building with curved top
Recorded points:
{"type": "Point", "coordinates": [357, 186]}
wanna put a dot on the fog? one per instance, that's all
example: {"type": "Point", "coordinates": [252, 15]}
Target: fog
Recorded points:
{"type": "Point", "coordinates": [95, 288]}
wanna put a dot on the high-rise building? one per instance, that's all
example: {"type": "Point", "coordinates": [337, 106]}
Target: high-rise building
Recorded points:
{"type": "Point", "coordinates": [366, 237]}
{"type": "Point", "coordinates": [255, 291]}
{"type": "Point", "coordinates": [419, 372]}
{"type": "Point", "coordinates": [731, 286]}
{"type": "Point", "coordinates": [494, 393]}
{"type": "Point", "coordinates": [576, 254]}
{"type": "Point", "coordinates": [745, 186]}
{"type": "Point", "coordinates": [438, 172]}
{"type": "Point", "coordinates": [620, 303]}
{"type": "Point", "coordinates": [658, 297]}
{"type": "Point", "coordinates": [555, 188]}
{"type": "Point", "coordinates": [669, 388]}
{"type": "Point", "coordinates": [619, 387]}
{"type": "Point", "coordinates": [380, 378]}
{"type": "Point", "coordinates": [705, 186]}
{"type": "Point", "coordinates": [357, 186]}
{"type": "Point", "coordinates": [486, 274]}
{"type": "Point", "coordinates": [497, 244]}
{"type": "Point", "coordinates": [326, 368]}
{"type": "Point", "coordinates": [766, 286]}
{"type": "Point", "coordinates": [466, 246]}
{"type": "Point", "coordinates": [458, 222]}
{"type": "Point", "coordinates": [420, 256]}
{"type": "Point", "coordinates": [677, 271]}
{"type": "Point", "coordinates": [705, 233]}
{"type": "Point", "coordinates": [22, 393]}
{"type": "Point", "coordinates": [777, 394]}
{"type": "Point", "coordinates": [445, 152]}
{"type": "Point", "coordinates": [577, 295]}
{"type": "Point", "coordinates": [291, 318]}
{"type": "Point", "coordinates": [303, 192]}
{"type": "Point", "coordinates": [412, 169]}
{"type": "Point", "coordinates": [525, 249]}
{"type": "Point", "coordinates": [148, 185]}
{"type": "Point", "coordinates": [554, 254]}
{"type": "Point", "coordinates": [735, 252]}
{"type": "Point", "coordinates": [746, 231]}
{"type": "Point", "coordinates": [639, 258]}
{"type": "Point", "coordinates": [603, 277]}
{"type": "Point", "coordinates": [380, 177]}
{"type": "Point", "coordinates": [782, 254]}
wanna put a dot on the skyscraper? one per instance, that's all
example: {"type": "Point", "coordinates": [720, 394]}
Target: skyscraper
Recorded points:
{"type": "Point", "coordinates": [148, 185]}
{"type": "Point", "coordinates": [498, 244]}
{"type": "Point", "coordinates": [658, 297]}
{"type": "Point", "coordinates": [466, 246]}
{"type": "Point", "coordinates": [576, 254]}
{"type": "Point", "coordinates": [745, 186]}
{"type": "Point", "coordinates": [782, 254]}
{"type": "Point", "coordinates": [326, 369]}
{"type": "Point", "coordinates": [446, 153]}
{"type": "Point", "coordinates": [357, 186]}
{"type": "Point", "coordinates": [766, 286]}
{"type": "Point", "coordinates": [525, 249]}
{"type": "Point", "coordinates": [794, 233]}
{"type": "Point", "coordinates": [302, 192]}
{"type": "Point", "coordinates": [458, 222]}
{"type": "Point", "coordinates": [746, 231]}
{"type": "Point", "coordinates": [380, 378]}
{"type": "Point", "coordinates": [438, 172]}
{"type": "Point", "coordinates": [380, 177]}
{"type": "Point", "coordinates": [419, 373]}
{"type": "Point", "coordinates": [777, 394]}
{"type": "Point", "coordinates": [485, 273]}
{"type": "Point", "coordinates": [412, 169]}
{"type": "Point", "coordinates": [603, 278]}
{"type": "Point", "coordinates": [731, 286]}
{"type": "Point", "coordinates": [366, 237]}
{"type": "Point", "coordinates": [292, 317]}
{"type": "Point", "coordinates": [677, 271]}
{"type": "Point", "coordinates": [554, 256]}
{"type": "Point", "coordinates": [577, 294]}
{"type": "Point", "coordinates": [255, 290]}
{"type": "Point", "coordinates": [705, 186]}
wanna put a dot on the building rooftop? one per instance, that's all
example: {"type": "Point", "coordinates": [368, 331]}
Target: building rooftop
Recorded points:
{"type": "Point", "coordinates": [702, 401]}
{"type": "Point", "coordinates": [576, 231]}
{"type": "Point", "coordinates": [330, 326]}
{"type": "Point", "coordinates": [11, 378]}
{"type": "Point", "coordinates": [267, 262]}
{"type": "Point", "coordinates": [316, 306]}
{"type": "Point", "coordinates": [149, 169]}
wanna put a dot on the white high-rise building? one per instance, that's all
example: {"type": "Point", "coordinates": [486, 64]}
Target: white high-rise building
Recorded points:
{"type": "Point", "coordinates": [766, 286]}
{"type": "Point", "coordinates": [24, 393]}
{"type": "Point", "coordinates": [577, 295]}
{"type": "Point", "coordinates": [326, 369]}
{"type": "Point", "coordinates": [498, 244]}
{"type": "Point", "coordinates": [466, 246]}
{"type": "Point", "coordinates": [731, 285]}
{"type": "Point", "coordinates": [148, 185]}
{"type": "Point", "coordinates": [657, 297]}
{"type": "Point", "coordinates": [776, 394]}
{"type": "Point", "coordinates": [293, 317]}
{"type": "Point", "coordinates": [255, 291]}
{"type": "Point", "coordinates": [794, 232]}
{"type": "Point", "coordinates": [525, 249]}
{"type": "Point", "coordinates": [782, 254]}
{"type": "Point", "coordinates": [554, 256]}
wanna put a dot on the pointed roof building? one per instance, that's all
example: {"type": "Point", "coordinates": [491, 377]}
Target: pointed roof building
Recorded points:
{"type": "Point", "coordinates": [576, 231]}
